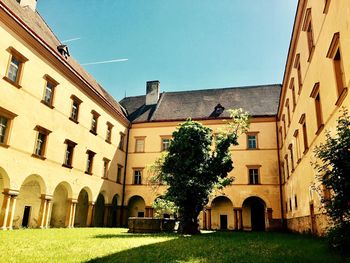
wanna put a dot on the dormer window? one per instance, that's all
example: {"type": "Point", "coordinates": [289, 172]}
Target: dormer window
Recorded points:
{"type": "Point", "coordinates": [63, 49]}
{"type": "Point", "coordinates": [218, 110]}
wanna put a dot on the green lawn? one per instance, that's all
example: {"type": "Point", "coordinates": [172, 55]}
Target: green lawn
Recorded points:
{"type": "Point", "coordinates": [116, 245]}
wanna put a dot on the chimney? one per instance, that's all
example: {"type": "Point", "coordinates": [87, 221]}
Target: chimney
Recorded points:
{"type": "Point", "coordinates": [30, 3]}
{"type": "Point", "coordinates": [152, 92]}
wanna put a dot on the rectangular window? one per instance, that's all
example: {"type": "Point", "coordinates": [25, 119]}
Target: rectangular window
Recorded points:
{"type": "Point", "coordinates": [297, 66]}
{"type": "Point", "coordinates": [302, 121]}
{"type": "Point", "coordinates": [287, 165]}
{"type": "Point", "coordinates": [6, 118]}
{"type": "Point", "coordinates": [253, 176]}
{"type": "Point", "coordinates": [68, 157]}
{"type": "Point", "coordinates": [49, 90]}
{"type": "Point", "coordinates": [307, 27]}
{"type": "Point", "coordinates": [295, 202]}
{"type": "Point", "coordinates": [75, 108]}
{"type": "Point", "coordinates": [290, 204]}
{"type": "Point", "coordinates": [252, 140]}
{"type": "Point", "coordinates": [284, 125]}
{"type": "Point", "coordinates": [326, 6]}
{"type": "Point", "coordinates": [292, 87]}
{"type": "Point", "coordinates": [90, 161]}
{"type": "Point", "coordinates": [297, 145]}
{"type": "Point", "coordinates": [15, 66]}
{"type": "Point", "coordinates": [41, 142]}
{"type": "Point", "coordinates": [121, 141]}
{"type": "Point", "coordinates": [94, 122]}
{"type": "Point", "coordinates": [3, 129]}
{"type": "Point", "coordinates": [165, 144]}
{"type": "Point", "coordinates": [109, 132]}
{"type": "Point", "coordinates": [335, 54]}
{"type": "Point", "coordinates": [290, 147]}
{"type": "Point", "coordinates": [140, 145]}
{"type": "Point", "coordinates": [105, 167]}
{"type": "Point", "coordinates": [315, 94]}
{"type": "Point", "coordinates": [288, 111]}
{"type": "Point", "coordinates": [119, 174]}
{"type": "Point", "coordinates": [137, 176]}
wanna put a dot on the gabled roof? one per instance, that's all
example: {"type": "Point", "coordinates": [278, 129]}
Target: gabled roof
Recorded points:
{"type": "Point", "coordinates": [37, 24]}
{"type": "Point", "coordinates": [259, 101]}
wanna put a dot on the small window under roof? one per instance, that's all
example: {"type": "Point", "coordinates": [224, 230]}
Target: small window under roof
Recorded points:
{"type": "Point", "coordinates": [63, 49]}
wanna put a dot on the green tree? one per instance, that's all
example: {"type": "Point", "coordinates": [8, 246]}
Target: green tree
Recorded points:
{"type": "Point", "coordinates": [192, 168]}
{"type": "Point", "coordinates": [333, 170]}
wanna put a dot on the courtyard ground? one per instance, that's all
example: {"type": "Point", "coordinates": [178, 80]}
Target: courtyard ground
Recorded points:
{"type": "Point", "coordinates": [116, 245]}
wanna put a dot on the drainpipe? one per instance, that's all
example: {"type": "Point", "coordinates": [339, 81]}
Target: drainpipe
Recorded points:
{"type": "Point", "coordinates": [280, 175]}
{"type": "Point", "coordinates": [124, 179]}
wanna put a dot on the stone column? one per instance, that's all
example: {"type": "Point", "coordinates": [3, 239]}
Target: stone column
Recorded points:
{"type": "Point", "coordinates": [48, 212]}
{"type": "Point", "coordinates": [90, 213]}
{"type": "Point", "coordinates": [5, 210]}
{"type": "Point", "coordinates": [209, 218]}
{"type": "Point", "coordinates": [69, 213]}
{"type": "Point", "coordinates": [74, 208]}
{"type": "Point", "coordinates": [42, 214]}
{"type": "Point", "coordinates": [235, 212]}
{"type": "Point", "coordinates": [240, 216]}
{"type": "Point", "coordinates": [106, 214]}
{"type": "Point", "coordinates": [13, 210]}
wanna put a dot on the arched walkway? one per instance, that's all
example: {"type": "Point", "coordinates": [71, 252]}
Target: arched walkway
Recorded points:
{"type": "Point", "coordinates": [136, 206]}
{"type": "Point", "coordinates": [222, 213]}
{"type": "Point", "coordinates": [99, 211]}
{"type": "Point", "coordinates": [114, 211]}
{"type": "Point", "coordinates": [60, 205]}
{"type": "Point", "coordinates": [31, 208]}
{"type": "Point", "coordinates": [254, 214]}
{"type": "Point", "coordinates": [81, 212]}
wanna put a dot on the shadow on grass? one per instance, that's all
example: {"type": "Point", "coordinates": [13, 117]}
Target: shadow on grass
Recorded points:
{"type": "Point", "coordinates": [133, 235]}
{"type": "Point", "coordinates": [228, 247]}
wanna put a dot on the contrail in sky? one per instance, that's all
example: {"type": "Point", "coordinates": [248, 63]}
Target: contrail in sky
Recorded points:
{"type": "Point", "coordinates": [70, 40]}
{"type": "Point", "coordinates": [106, 61]}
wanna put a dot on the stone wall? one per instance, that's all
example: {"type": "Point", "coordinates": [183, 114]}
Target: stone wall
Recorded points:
{"type": "Point", "coordinates": [303, 224]}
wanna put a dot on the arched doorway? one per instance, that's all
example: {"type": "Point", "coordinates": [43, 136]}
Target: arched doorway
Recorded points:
{"type": "Point", "coordinates": [221, 213]}
{"type": "Point", "coordinates": [99, 211]}
{"type": "Point", "coordinates": [29, 202]}
{"type": "Point", "coordinates": [82, 209]}
{"type": "Point", "coordinates": [114, 211]}
{"type": "Point", "coordinates": [254, 214]}
{"type": "Point", "coordinates": [60, 205]}
{"type": "Point", "coordinates": [136, 206]}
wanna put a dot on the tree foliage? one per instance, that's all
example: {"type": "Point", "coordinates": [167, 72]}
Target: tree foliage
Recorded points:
{"type": "Point", "coordinates": [193, 166]}
{"type": "Point", "coordinates": [333, 168]}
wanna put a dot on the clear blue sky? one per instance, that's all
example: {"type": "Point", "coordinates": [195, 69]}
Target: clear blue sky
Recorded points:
{"type": "Point", "coordinates": [185, 44]}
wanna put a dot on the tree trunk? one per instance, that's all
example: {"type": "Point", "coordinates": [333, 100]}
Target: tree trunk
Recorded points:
{"type": "Point", "coordinates": [188, 224]}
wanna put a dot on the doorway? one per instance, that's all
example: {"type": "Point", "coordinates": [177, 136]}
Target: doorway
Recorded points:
{"type": "Point", "coordinates": [26, 214]}
{"type": "Point", "coordinates": [223, 222]}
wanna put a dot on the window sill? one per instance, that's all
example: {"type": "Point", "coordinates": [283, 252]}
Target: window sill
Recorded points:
{"type": "Point", "coordinates": [252, 149]}
{"type": "Point", "coordinates": [67, 166]}
{"type": "Point", "coordinates": [47, 104]}
{"type": "Point", "coordinates": [88, 173]}
{"type": "Point", "coordinates": [93, 132]}
{"type": "Point", "coordinates": [255, 184]}
{"type": "Point", "coordinates": [12, 82]}
{"type": "Point", "coordinates": [38, 156]}
{"type": "Point", "coordinates": [319, 130]}
{"type": "Point", "coordinates": [4, 145]}
{"type": "Point", "coordinates": [73, 120]}
{"type": "Point", "coordinates": [342, 96]}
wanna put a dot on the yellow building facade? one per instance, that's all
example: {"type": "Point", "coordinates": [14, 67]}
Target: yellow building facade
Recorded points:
{"type": "Point", "coordinates": [71, 156]}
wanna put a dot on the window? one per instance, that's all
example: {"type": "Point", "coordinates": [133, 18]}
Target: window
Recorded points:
{"type": "Point", "coordinates": [253, 174]}
{"type": "Point", "coordinates": [335, 54]}
{"type": "Point", "coordinates": [165, 144]}
{"type": "Point", "coordinates": [109, 132]}
{"type": "Point", "coordinates": [252, 140]}
{"type": "Point", "coordinates": [287, 165]}
{"type": "Point", "coordinates": [297, 66]}
{"type": "Point", "coordinates": [68, 157]}
{"type": "Point", "coordinates": [292, 87]}
{"type": "Point", "coordinates": [94, 122]}
{"type": "Point", "coordinates": [15, 67]}
{"type": "Point", "coordinates": [140, 144]}
{"type": "Point", "coordinates": [307, 27]}
{"type": "Point", "coordinates": [290, 204]}
{"type": "Point", "coordinates": [121, 141]}
{"type": "Point", "coordinates": [90, 160]}
{"type": "Point", "coordinates": [316, 95]}
{"type": "Point", "coordinates": [297, 145]}
{"type": "Point", "coordinates": [138, 176]}
{"type": "Point", "coordinates": [326, 6]}
{"type": "Point", "coordinates": [295, 202]}
{"type": "Point", "coordinates": [281, 135]}
{"type": "Point", "coordinates": [6, 118]}
{"type": "Point", "coordinates": [105, 167]}
{"type": "Point", "coordinates": [119, 174]}
{"type": "Point", "coordinates": [41, 142]}
{"type": "Point", "coordinates": [284, 125]}
{"type": "Point", "coordinates": [288, 111]}
{"type": "Point", "coordinates": [302, 121]}
{"type": "Point", "coordinates": [49, 90]}
{"type": "Point", "coordinates": [75, 108]}
{"type": "Point", "coordinates": [290, 147]}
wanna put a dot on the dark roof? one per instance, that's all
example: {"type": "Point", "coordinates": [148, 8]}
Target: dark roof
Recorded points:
{"type": "Point", "coordinates": [37, 24]}
{"type": "Point", "coordinates": [200, 104]}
